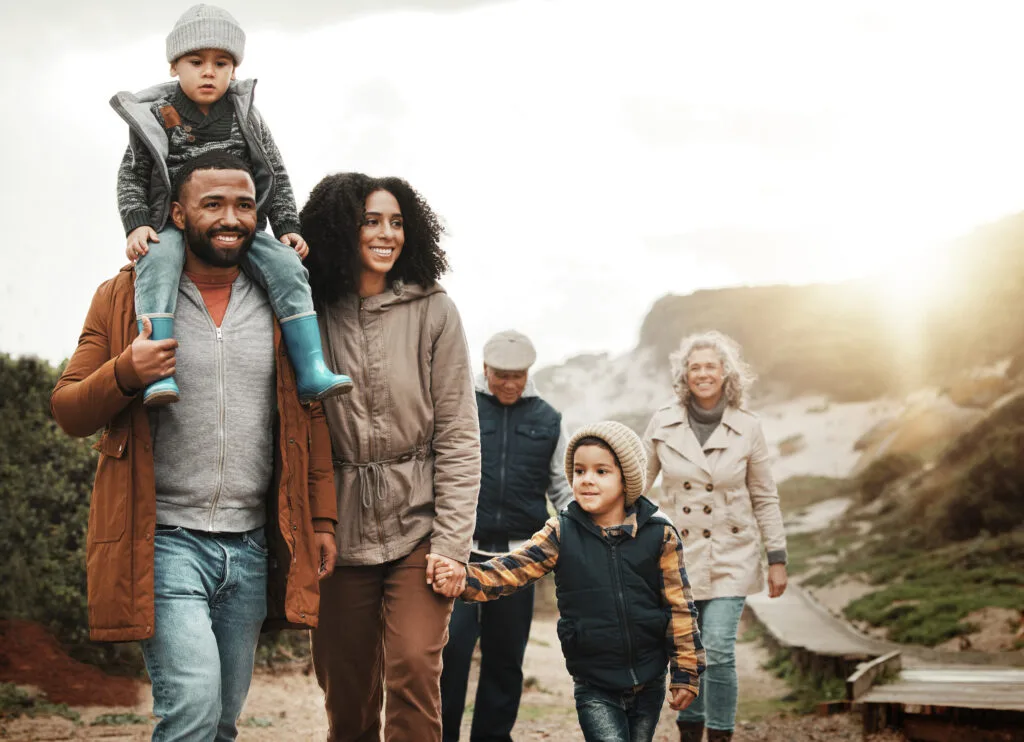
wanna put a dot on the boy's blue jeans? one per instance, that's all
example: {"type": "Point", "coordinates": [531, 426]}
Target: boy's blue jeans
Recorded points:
{"type": "Point", "coordinates": [210, 591]}
{"type": "Point", "coordinates": [272, 264]}
{"type": "Point", "coordinates": [619, 715]}
{"type": "Point", "coordinates": [718, 620]}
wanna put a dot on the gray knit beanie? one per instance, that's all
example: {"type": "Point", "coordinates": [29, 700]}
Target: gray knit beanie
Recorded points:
{"type": "Point", "coordinates": [628, 448]}
{"type": "Point", "coordinates": [205, 27]}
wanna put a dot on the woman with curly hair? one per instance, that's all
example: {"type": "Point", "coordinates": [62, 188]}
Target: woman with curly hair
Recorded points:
{"type": "Point", "coordinates": [718, 488]}
{"type": "Point", "coordinates": [406, 446]}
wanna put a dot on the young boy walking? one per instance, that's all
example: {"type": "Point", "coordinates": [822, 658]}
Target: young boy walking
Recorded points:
{"type": "Point", "coordinates": [173, 123]}
{"type": "Point", "coordinates": [623, 597]}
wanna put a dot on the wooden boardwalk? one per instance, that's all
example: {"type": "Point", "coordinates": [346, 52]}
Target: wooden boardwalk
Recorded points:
{"type": "Point", "coordinates": [933, 696]}
{"type": "Point", "coordinates": [955, 686]}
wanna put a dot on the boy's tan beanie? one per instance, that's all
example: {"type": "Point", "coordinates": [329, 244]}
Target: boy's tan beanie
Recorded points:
{"type": "Point", "coordinates": [206, 27]}
{"type": "Point", "coordinates": [628, 448]}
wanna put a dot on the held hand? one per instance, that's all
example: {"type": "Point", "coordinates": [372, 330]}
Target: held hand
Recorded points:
{"type": "Point", "coordinates": [328, 549]}
{"type": "Point", "coordinates": [445, 575]}
{"type": "Point", "coordinates": [681, 698]}
{"type": "Point", "coordinates": [137, 242]}
{"type": "Point", "coordinates": [153, 359]}
{"type": "Point", "coordinates": [296, 241]}
{"type": "Point", "coordinates": [777, 580]}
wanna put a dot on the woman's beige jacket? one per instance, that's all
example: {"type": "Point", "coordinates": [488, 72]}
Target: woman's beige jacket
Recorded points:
{"type": "Point", "coordinates": [406, 440]}
{"type": "Point", "coordinates": [722, 499]}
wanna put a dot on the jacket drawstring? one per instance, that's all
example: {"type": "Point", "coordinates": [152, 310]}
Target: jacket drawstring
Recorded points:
{"type": "Point", "coordinates": [372, 476]}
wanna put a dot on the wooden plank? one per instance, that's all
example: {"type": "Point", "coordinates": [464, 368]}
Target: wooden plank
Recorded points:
{"type": "Point", "coordinates": [868, 672]}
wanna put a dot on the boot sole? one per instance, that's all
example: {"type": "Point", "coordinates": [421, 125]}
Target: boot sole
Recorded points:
{"type": "Point", "coordinates": [160, 399]}
{"type": "Point", "coordinates": [337, 390]}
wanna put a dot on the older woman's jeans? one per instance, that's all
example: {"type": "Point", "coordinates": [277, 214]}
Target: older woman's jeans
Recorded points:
{"type": "Point", "coordinates": [718, 620]}
{"type": "Point", "coordinates": [210, 595]}
{"type": "Point", "coordinates": [619, 715]}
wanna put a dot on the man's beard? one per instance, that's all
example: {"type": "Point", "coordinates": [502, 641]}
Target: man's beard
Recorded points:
{"type": "Point", "coordinates": [201, 244]}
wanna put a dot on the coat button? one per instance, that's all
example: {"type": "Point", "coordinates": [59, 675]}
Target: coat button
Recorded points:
{"type": "Point", "coordinates": [735, 529]}
{"type": "Point", "coordinates": [291, 441]}
{"type": "Point", "coordinates": [148, 536]}
{"type": "Point", "coordinates": [707, 510]}
{"type": "Point", "coordinates": [294, 527]}
{"type": "Point", "coordinates": [302, 615]}
{"type": "Point", "coordinates": [187, 128]}
{"type": "Point", "coordinates": [707, 533]}
{"type": "Point", "coordinates": [709, 487]}
{"type": "Point", "coordinates": [190, 138]}
{"type": "Point", "coordinates": [686, 509]}
{"type": "Point", "coordinates": [687, 485]}
{"type": "Point", "coordinates": [686, 531]}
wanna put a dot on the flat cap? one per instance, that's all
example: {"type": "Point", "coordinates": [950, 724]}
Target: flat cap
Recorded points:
{"type": "Point", "coordinates": [509, 351]}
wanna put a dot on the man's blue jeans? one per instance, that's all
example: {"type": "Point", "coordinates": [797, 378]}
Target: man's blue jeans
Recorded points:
{"type": "Point", "coordinates": [211, 599]}
{"type": "Point", "coordinates": [270, 263]}
{"type": "Point", "coordinates": [619, 715]}
{"type": "Point", "coordinates": [718, 620]}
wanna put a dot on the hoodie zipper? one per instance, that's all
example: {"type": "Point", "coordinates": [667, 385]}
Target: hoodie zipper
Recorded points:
{"type": "Point", "coordinates": [369, 436]}
{"type": "Point", "coordinates": [221, 422]}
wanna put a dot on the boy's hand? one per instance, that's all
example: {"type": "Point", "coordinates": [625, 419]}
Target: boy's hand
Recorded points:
{"type": "Point", "coordinates": [138, 240]}
{"type": "Point", "coordinates": [447, 576]}
{"type": "Point", "coordinates": [296, 241]}
{"type": "Point", "coordinates": [681, 698]}
{"type": "Point", "coordinates": [153, 359]}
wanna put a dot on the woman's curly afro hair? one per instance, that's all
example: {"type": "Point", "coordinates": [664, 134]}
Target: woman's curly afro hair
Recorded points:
{"type": "Point", "coordinates": [331, 222]}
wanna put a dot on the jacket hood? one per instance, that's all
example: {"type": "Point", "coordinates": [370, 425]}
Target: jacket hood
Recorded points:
{"type": "Point", "coordinates": [643, 509]}
{"type": "Point", "coordinates": [241, 88]}
{"type": "Point", "coordinates": [400, 293]}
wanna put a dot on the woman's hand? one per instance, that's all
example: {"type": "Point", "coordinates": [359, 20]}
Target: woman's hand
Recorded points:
{"type": "Point", "coordinates": [681, 698]}
{"type": "Point", "coordinates": [777, 580]}
{"type": "Point", "coordinates": [445, 575]}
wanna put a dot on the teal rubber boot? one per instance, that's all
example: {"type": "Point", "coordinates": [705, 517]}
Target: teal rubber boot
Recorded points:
{"type": "Point", "coordinates": [164, 391]}
{"type": "Point", "coordinates": [314, 379]}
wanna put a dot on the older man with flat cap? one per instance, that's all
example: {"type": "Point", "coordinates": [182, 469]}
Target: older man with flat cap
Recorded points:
{"type": "Point", "coordinates": [522, 450]}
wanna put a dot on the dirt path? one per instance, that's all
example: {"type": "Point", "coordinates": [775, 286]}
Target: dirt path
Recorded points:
{"type": "Point", "coordinates": [287, 706]}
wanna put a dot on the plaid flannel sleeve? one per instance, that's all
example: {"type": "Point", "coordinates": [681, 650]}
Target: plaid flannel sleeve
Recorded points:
{"type": "Point", "coordinates": [505, 574]}
{"type": "Point", "coordinates": [686, 653]}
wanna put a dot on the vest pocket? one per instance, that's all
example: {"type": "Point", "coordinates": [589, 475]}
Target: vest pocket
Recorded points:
{"type": "Point", "coordinates": [568, 635]}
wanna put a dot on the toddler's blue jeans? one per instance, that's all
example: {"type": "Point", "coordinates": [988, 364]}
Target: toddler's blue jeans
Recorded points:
{"type": "Point", "coordinates": [210, 593]}
{"type": "Point", "coordinates": [272, 264]}
{"type": "Point", "coordinates": [718, 620]}
{"type": "Point", "coordinates": [619, 715]}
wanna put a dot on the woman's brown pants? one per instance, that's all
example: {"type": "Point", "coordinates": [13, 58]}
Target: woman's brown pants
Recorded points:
{"type": "Point", "coordinates": [381, 626]}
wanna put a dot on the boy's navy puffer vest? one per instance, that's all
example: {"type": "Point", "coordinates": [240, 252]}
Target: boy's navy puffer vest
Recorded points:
{"type": "Point", "coordinates": [613, 623]}
{"type": "Point", "coordinates": [516, 445]}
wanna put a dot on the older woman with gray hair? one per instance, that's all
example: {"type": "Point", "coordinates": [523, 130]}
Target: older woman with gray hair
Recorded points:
{"type": "Point", "coordinates": [717, 486]}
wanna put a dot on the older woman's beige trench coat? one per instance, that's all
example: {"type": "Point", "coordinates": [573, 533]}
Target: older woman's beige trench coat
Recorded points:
{"type": "Point", "coordinates": [722, 499]}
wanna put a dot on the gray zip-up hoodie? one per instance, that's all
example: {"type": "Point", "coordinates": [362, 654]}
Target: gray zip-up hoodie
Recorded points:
{"type": "Point", "coordinates": [144, 181]}
{"type": "Point", "coordinates": [214, 450]}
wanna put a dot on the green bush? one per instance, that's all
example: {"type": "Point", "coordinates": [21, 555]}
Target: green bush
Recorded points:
{"type": "Point", "coordinates": [985, 497]}
{"type": "Point", "coordinates": [884, 471]}
{"type": "Point", "coordinates": [45, 482]}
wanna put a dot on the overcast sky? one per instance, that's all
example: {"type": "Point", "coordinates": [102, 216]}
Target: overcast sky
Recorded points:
{"type": "Point", "coordinates": [587, 156]}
